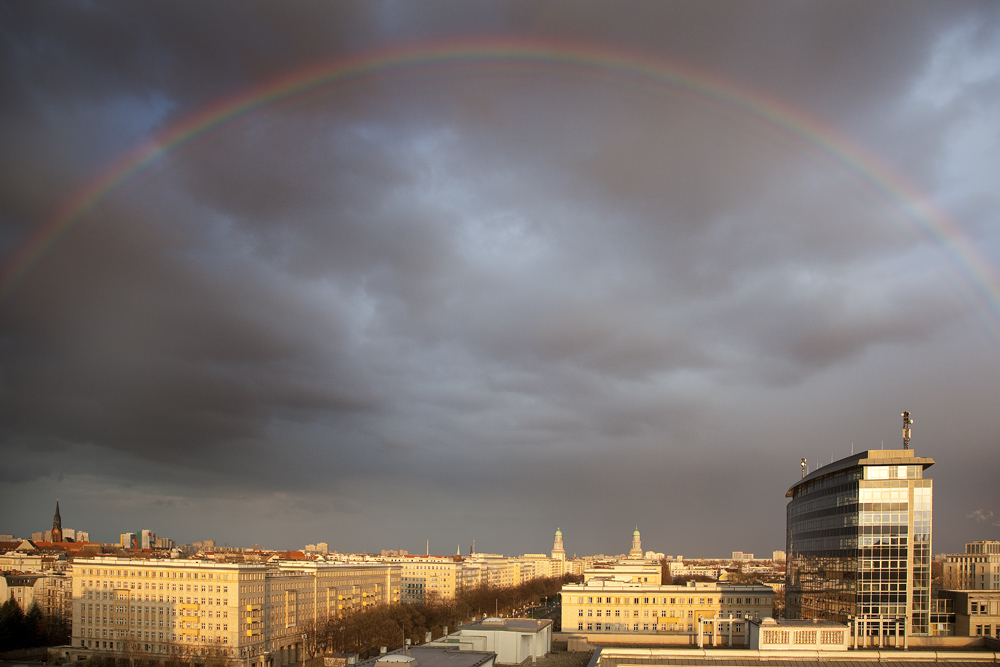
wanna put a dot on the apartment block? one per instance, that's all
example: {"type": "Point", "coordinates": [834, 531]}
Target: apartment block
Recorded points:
{"type": "Point", "coordinates": [978, 569]}
{"type": "Point", "coordinates": [251, 611]}
{"type": "Point", "coordinates": [422, 578]}
{"type": "Point", "coordinates": [617, 607]}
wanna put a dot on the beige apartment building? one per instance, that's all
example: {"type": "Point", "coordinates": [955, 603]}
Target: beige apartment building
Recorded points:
{"type": "Point", "coordinates": [603, 606]}
{"type": "Point", "coordinates": [253, 612]}
{"type": "Point", "coordinates": [978, 569]}
{"type": "Point", "coordinates": [340, 587]}
{"type": "Point", "coordinates": [424, 577]}
{"type": "Point", "coordinates": [24, 588]}
{"type": "Point", "coordinates": [977, 612]}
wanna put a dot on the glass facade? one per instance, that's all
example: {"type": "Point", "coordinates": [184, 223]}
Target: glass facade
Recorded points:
{"type": "Point", "coordinates": [859, 542]}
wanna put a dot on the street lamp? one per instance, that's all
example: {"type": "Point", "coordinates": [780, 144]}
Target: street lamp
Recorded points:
{"type": "Point", "coordinates": [303, 649]}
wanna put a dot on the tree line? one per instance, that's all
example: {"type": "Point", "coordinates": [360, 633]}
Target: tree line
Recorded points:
{"type": "Point", "coordinates": [29, 630]}
{"type": "Point", "coordinates": [364, 631]}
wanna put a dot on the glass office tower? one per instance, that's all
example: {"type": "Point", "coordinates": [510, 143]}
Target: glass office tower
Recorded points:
{"type": "Point", "coordinates": [858, 543]}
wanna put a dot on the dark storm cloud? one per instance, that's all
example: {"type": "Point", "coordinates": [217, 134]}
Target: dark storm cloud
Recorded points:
{"type": "Point", "coordinates": [411, 303]}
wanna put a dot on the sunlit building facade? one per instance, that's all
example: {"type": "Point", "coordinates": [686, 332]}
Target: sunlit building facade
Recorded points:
{"type": "Point", "coordinates": [859, 543]}
{"type": "Point", "coordinates": [155, 609]}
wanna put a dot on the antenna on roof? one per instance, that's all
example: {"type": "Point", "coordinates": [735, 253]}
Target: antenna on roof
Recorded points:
{"type": "Point", "coordinates": [907, 431]}
{"type": "Point", "coordinates": [803, 467]}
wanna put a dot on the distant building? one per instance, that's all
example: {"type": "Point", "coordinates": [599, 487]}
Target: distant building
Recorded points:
{"type": "Point", "coordinates": [147, 539]}
{"type": "Point", "coordinates": [128, 541]}
{"type": "Point", "coordinates": [57, 534]}
{"type": "Point", "coordinates": [424, 577]}
{"type": "Point", "coordinates": [859, 543]}
{"type": "Point", "coordinates": [778, 557]}
{"type": "Point", "coordinates": [978, 569]}
{"type": "Point", "coordinates": [636, 551]}
{"type": "Point", "coordinates": [558, 552]}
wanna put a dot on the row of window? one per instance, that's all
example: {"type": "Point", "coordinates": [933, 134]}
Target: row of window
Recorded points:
{"type": "Point", "coordinates": [979, 607]}
{"type": "Point", "coordinates": [132, 585]}
{"type": "Point", "coordinates": [138, 634]}
{"type": "Point", "coordinates": [663, 600]}
{"type": "Point", "coordinates": [647, 627]}
{"type": "Point", "coordinates": [101, 595]}
{"type": "Point", "coordinates": [153, 574]}
{"type": "Point", "coordinates": [984, 631]}
{"type": "Point", "coordinates": [635, 613]}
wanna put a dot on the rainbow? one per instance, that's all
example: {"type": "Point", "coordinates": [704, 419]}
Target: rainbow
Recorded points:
{"type": "Point", "coordinates": [584, 60]}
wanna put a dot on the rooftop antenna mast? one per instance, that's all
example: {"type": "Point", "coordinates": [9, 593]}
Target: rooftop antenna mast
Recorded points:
{"type": "Point", "coordinates": [803, 467]}
{"type": "Point", "coordinates": [907, 431]}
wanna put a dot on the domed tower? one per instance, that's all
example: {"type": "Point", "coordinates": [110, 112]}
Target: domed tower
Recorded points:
{"type": "Point", "coordinates": [636, 551]}
{"type": "Point", "coordinates": [557, 546]}
{"type": "Point", "coordinates": [57, 535]}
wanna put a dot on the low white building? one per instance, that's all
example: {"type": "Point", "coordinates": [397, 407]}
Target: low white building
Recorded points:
{"type": "Point", "coordinates": [514, 640]}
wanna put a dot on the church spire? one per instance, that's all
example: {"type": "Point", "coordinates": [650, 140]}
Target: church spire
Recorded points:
{"type": "Point", "coordinates": [57, 525]}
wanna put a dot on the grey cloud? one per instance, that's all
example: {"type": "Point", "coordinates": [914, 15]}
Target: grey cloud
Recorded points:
{"type": "Point", "coordinates": [408, 302]}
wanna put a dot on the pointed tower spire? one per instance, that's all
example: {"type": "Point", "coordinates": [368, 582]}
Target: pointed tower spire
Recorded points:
{"type": "Point", "coordinates": [57, 525]}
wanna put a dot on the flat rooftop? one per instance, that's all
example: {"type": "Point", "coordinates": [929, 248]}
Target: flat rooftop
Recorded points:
{"type": "Point", "coordinates": [433, 656]}
{"type": "Point", "coordinates": [722, 657]}
{"type": "Point", "coordinates": [509, 624]}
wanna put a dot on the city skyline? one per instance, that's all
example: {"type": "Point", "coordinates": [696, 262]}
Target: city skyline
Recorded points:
{"type": "Point", "coordinates": [377, 273]}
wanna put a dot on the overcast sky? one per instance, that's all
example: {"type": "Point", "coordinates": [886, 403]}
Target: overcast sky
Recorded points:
{"type": "Point", "coordinates": [511, 267]}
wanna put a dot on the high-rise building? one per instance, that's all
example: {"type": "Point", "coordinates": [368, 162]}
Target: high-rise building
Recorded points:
{"type": "Point", "coordinates": [147, 539]}
{"type": "Point", "coordinates": [859, 543]}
